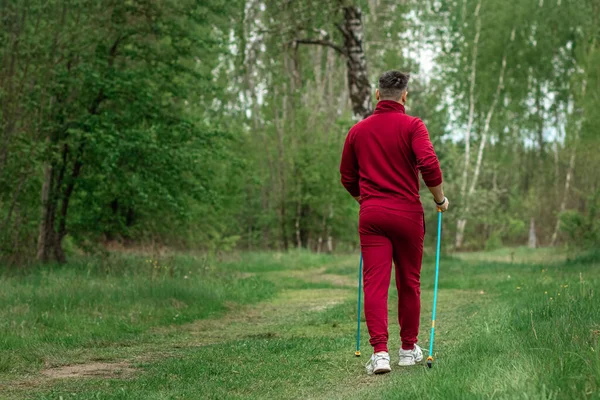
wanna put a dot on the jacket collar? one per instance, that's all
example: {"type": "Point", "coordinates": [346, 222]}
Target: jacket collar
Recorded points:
{"type": "Point", "coordinates": [386, 106]}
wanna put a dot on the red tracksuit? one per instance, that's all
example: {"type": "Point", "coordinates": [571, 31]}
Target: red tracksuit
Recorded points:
{"type": "Point", "coordinates": [382, 157]}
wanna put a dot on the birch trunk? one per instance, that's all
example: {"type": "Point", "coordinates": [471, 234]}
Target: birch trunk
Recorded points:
{"type": "Point", "coordinates": [279, 127]}
{"type": "Point", "coordinates": [461, 222]}
{"type": "Point", "coordinates": [486, 128]}
{"type": "Point", "coordinates": [251, 13]}
{"type": "Point", "coordinates": [323, 228]}
{"type": "Point", "coordinates": [563, 203]}
{"type": "Point", "coordinates": [356, 62]}
{"type": "Point", "coordinates": [540, 132]}
{"type": "Point", "coordinates": [556, 170]}
{"type": "Point", "coordinates": [532, 235]}
{"type": "Point", "coordinates": [569, 177]}
{"type": "Point", "coordinates": [329, 237]}
{"type": "Point", "coordinates": [353, 52]}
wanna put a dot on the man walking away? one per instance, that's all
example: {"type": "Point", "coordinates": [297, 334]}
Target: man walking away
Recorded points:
{"type": "Point", "coordinates": [380, 166]}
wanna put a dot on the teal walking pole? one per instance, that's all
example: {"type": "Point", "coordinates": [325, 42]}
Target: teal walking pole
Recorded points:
{"type": "Point", "coordinates": [435, 289]}
{"type": "Point", "coordinates": [360, 266]}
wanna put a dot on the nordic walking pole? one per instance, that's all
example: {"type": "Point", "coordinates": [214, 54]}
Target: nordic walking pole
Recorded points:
{"type": "Point", "coordinates": [435, 288]}
{"type": "Point", "coordinates": [357, 352]}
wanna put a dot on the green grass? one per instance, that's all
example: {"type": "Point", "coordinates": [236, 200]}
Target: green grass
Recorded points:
{"type": "Point", "coordinates": [90, 304]}
{"type": "Point", "coordinates": [282, 326]}
{"type": "Point", "coordinates": [518, 255]}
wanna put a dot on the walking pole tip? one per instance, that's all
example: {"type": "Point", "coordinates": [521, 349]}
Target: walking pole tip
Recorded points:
{"type": "Point", "coordinates": [430, 361]}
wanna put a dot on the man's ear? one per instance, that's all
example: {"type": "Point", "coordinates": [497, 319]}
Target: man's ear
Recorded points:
{"type": "Point", "coordinates": [377, 94]}
{"type": "Point", "coordinates": [404, 96]}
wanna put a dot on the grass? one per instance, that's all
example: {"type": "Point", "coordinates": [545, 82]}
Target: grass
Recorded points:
{"type": "Point", "coordinates": [282, 326]}
{"type": "Point", "coordinates": [519, 255]}
{"type": "Point", "coordinates": [89, 304]}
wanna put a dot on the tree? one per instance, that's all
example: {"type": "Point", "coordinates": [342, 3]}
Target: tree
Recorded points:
{"type": "Point", "coordinates": [113, 90]}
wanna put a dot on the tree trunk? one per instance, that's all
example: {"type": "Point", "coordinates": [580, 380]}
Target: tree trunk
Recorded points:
{"type": "Point", "coordinates": [486, 128]}
{"type": "Point", "coordinates": [556, 170]}
{"type": "Point", "coordinates": [18, 254]}
{"type": "Point", "coordinates": [279, 127]}
{"type": "Point", "coordinates": [540, 131]}
{"type": "Point", "coordinates": [356, 62]}
{"type": "Point", "coordinates": [563, 204]}
{"type": "Point", "coordinates": [462, 222]}
{"type": "Point", "coordinates": [329, 237]}
{"type": "Point", "coordinates": [358, 78]}
{"type": "Point", "coordinates": [58, 187]}
{"type": "Point", "coordinates": [50, 239]}
{"type": "Point", "coordinates": [532, 235]}
{"type": "Point", "coordinates": [65, 199]}
{"type": "Point", "coordinates": [258, 129]}
{"type": "Point", "coordinates": [460, 232]}
{"type": "Point", "coordinates": [323, 230]}
{"type": "Point", "coordinates": [298, 217]}
{"type": "Point", "coordinates": [47, 235]}
{"type": "Point", "coordinates": [570, 170]}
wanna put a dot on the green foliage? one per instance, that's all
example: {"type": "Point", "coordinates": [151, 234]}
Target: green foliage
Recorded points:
{"type": "Point", "coordinates": [204, 125]}
{"type": "Point", "coordinates": [493, 242]}
{"type": "Point", "coordinates": [583, 231]}
{"type": "Point", "coordinates": [119, 99]}
{"type": "Point", "coordinates": [543, 118]}
{"type": "Point", "coordinates": [516, 229]}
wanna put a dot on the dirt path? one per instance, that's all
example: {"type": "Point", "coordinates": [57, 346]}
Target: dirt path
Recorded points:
{"type": "Point", "coordinates": [262, 320]}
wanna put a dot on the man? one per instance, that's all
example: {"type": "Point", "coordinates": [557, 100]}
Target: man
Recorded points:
{"type": "Point", "coordinates": [380, 166]}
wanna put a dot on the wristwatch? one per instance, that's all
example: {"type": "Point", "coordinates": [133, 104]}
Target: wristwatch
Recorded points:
{"type": "Point", "coordinates": [442, 203]}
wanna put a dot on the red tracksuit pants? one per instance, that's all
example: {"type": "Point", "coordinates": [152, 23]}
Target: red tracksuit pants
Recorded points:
{"type": "Point", "coordinates": [387, 235]}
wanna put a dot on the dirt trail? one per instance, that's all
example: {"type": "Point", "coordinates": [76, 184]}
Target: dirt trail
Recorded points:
{"type": "Point", "coordinates": [257, 321]}
{"type": "Point", "coordinates": [269, 319]}
{"type": "Point", "coordinates": [318, 275]}
{"type": "Point", "coordinates": [91, 370]}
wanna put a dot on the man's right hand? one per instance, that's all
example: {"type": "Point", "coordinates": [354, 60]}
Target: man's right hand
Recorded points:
{"type": "Point", "coordinates": [439, 198]}
{"type": "Point", "coordinates": [444, 206]}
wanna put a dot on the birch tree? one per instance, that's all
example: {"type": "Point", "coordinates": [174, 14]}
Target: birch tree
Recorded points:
{"type": "Point", "coordinates": [466, 196]}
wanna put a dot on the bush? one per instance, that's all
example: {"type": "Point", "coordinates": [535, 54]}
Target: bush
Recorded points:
{"type": "Point", "coordinates": [582, 231]}
{"type": "Point", "coordinates": [516, 230]}
{"type": "Point", "coordinates": [494, 242]}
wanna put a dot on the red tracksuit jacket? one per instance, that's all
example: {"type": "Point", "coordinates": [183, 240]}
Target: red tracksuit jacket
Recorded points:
{"type": "Point", "coordinates": [383, 155]}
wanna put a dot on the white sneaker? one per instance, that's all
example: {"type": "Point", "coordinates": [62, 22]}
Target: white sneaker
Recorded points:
{"type": "Point", "coordinates": [379, 363]}
{"type": "Point", "coordinates": [410, 357]}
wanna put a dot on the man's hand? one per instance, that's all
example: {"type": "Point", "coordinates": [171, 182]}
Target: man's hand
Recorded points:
{"type": "Point", "coordinates": [438, 196]}
{"type": "Point", "coordinates": [442, 205]}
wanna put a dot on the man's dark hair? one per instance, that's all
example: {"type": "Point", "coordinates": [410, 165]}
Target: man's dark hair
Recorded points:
{"type": "Point", "coordinates": [392, 84]}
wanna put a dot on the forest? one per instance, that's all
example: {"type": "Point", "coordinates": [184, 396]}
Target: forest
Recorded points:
{"type": "Point", "coordinates": [218, 125]}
